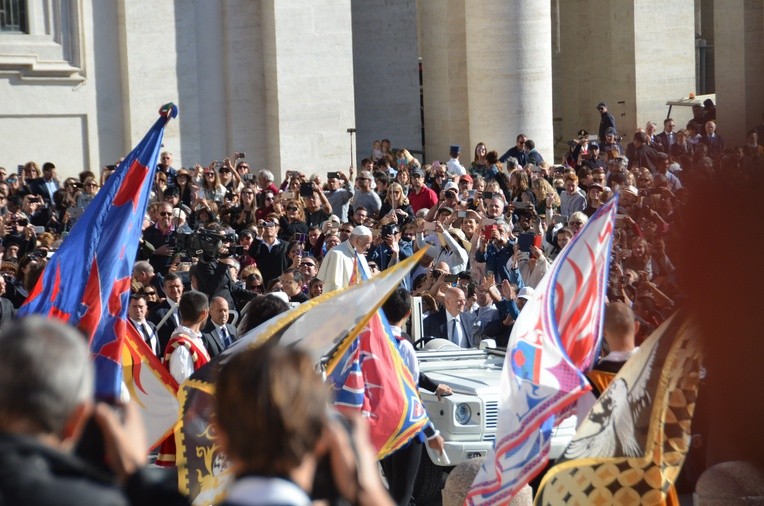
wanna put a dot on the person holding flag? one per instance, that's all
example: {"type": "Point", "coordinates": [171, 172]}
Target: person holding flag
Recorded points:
{"type": "Point", "coordinates": [401, 466]}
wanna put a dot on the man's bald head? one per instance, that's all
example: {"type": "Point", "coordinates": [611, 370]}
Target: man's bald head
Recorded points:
{"type": "Point", "coordinates": [454, 300]}
{"type": "Point", "coordinates": [620, 327]}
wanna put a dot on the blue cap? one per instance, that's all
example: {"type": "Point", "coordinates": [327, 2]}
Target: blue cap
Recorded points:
{"type": "Point", "coordinates": [455, 148]}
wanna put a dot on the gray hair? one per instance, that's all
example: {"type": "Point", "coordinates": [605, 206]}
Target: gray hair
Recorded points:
{"type": "Point", "coordinates": [512, 163]}
{"type": "Point", "coordinates": [267, 175]}
{"type": "Point", "coordinates": [45, 373]}
{"type": "Point", "coordinates": [142, 267]}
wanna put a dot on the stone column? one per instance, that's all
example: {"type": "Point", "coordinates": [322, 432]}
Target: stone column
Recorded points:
{"type": "Point", "coordinates": [308, 68]}
{"type": "Point", "coordinates": [385, 62]}
{"type": "Point", "coordinates": [444, 76]}
{"type": "Point", "coordinates": [634, 55]}
{"type": "Point", "coordinates": [738, 37]}
{"type": "Point", "coordinates": [148, 54]}
{"type": "Point", "coordinates": [509, 73]}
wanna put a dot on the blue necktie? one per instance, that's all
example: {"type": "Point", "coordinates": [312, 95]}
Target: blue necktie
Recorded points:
{"type": "Point", "coordinates": [226, 337]}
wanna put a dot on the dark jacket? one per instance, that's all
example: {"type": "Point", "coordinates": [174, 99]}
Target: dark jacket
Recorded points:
{"type": "Point", "coordinates": [436, 325]}
{"type": "Point", "coordinates": [33, 474]}
{"type": "Point", "coordinates": [271, 263]}
{"type": "Point", "coordinates": [211, 339]}
{"type": "Point", "coordinates": [165, 332]}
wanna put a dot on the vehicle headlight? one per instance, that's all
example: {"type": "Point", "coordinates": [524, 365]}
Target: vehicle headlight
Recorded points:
{"type": "Point", "coordinates": [463, 414]}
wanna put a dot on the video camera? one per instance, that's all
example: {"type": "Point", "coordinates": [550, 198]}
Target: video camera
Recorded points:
{"type": "Point", "coordinates": [202, 243]}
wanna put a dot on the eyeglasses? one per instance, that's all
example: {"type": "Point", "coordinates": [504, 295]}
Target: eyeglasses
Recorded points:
{"type": "Point", "coordinates": [165, 214]}
{"type": "Point", "coordinates": [209, 173]}
{"type": "Point", "coordinates": [292, 208]}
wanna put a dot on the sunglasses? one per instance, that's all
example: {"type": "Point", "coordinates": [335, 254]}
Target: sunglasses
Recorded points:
{"type": "Point", "coordinates": [307, 264]}
{"type": "Point", "coordinates": [165, 214]}
{"type": "Point", "coordinates": [293, 208]}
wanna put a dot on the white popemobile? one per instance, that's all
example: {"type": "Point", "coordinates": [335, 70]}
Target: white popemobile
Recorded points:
{"type": "Point", "coordinates": [467, 419]}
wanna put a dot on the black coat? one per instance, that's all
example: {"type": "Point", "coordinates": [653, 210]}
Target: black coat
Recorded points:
{"type": "Point", "coordinates": [435, 325]}
{"type": "Point", "coordinates": [271, 263]}
{"type": "Point", "coordinates": [211, 339]}
{"type": "Point", "coordinates": [33, 474]}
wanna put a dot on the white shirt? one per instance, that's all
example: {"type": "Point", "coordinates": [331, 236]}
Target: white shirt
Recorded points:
{"type": "Point", "coordinates": [256, 490]}
{"type": "Point", "coordinates": [407, 354]}
{"type": "Point", "coordinates": [219, 329]}
{"type": "Point", "coordinates": [458, 338]}
{"type": "Point", "coordinates": [51, 185]}
{"type": "Point", "coordinates": [181, 361]}
{"type": "Point", "coordinates": [455, 167]}
{"type": "Point", "coordinates": [152, 342]}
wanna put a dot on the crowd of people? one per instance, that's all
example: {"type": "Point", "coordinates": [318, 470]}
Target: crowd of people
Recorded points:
{"type": "Point", "coordinates": [224, 239]}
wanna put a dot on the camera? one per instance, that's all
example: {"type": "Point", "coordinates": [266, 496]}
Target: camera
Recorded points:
{"type": "Point", "coordinates": [390, 229]}
{"type": "Point", "coordinates": [202, 242]}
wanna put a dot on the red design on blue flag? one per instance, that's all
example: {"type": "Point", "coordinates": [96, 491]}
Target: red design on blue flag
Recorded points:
{"type": "Point", "coordinates": [87, 281]}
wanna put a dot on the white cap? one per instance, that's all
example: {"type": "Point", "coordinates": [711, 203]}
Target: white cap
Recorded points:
{"type": "Point", "coordinates": [280, 295]}
{"type": "Point", "coordinates": [450, 186]}
{"type": "Point", "coordinates": [361, 230]}
{"type": "Point", "coordinates": [526, 293]}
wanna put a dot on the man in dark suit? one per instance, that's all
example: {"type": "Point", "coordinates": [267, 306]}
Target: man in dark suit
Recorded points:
{"type": "Point", "coordinates": [713, 141]}
{"type": "Point", "coordinates": [218, 334]}
{"type": "Point", "coordinates": [173, 289]}
{"type": "Point", "coordinates": [452, 322]}
{"type": "Point", "coordinates": [136, 313]}
{"type": "Point", "coordinates": [7, 311]}
{"type": "Point", "coordinates": [47, 185]}
{"type": "Point", "coordinates": [667, 138]}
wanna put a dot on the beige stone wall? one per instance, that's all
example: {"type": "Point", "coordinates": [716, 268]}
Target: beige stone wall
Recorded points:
{"type": "Point", "coordinates": [385, 65]}
{"type": "Point", "coordinates": [444, 69]}
{"type": "Point", "coordinates": [739, 38]}
{"type": "Point", "coordinates": [640, 53]}
{"type": "Point", "coordinates": [509, 68]}
{"type": "Point", "coordinates": [308, 83]}
{"type": "Point", "coordinates": [664, 41]}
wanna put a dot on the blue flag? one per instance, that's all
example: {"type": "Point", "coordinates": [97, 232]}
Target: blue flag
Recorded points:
{"type": "Point", "coordinates": [86, 283]}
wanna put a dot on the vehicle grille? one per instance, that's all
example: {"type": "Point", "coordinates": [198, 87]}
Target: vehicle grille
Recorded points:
{"type": "Point", "coordinates": [490, 416]}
